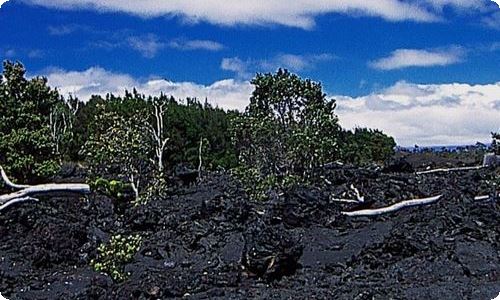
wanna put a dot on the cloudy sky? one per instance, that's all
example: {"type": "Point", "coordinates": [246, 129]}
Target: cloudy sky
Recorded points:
{"type": "Point", "coordinates": [425, 71]}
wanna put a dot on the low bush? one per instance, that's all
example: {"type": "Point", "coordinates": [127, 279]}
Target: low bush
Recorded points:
{"type": "Point", "coordinates": [113, 256]}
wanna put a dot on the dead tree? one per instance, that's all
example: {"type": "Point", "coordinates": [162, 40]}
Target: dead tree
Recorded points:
{"type": "Point", "coordinates": [25, 192]}
{"type": "Point", "coordinates": [158, 133]}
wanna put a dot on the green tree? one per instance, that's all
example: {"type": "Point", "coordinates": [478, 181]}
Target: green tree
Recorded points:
{"type": "Point", "coordinates": [364, 145]}
{"type": "Point", "coordinates": [119, 145]}
{"type": "Point", "coordinates": [27, 150]}
{"type": "Point", "coordinates": [495, 144]}
{"type": "Point", "coordinates": [289, 127]}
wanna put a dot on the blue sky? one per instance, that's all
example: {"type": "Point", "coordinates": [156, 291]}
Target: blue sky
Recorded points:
{"type": "Point", "coordinates": [378, 59]}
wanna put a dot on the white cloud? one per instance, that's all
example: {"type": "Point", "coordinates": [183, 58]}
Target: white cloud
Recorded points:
{"type": "Point", "coordinates": [423, 114]}
{"type": "Point", "coordinates": [148, 45]}
{"type": "Point", "coordinates": [493, 20]}
{"type": "Point", "coordinates": [433, 114]}
{"type": "Point", "coordinates": [196, 45]}
{"type": "Point", "coordinates": [293, 62]}
{"type": "Point", "coordinates": [2, 2]}
{"type": "Point", "coordinates": [228, 94]}
{"type": "Point", "coordinates": [297, 13]}
{"type": "Point", "coordinates": [405, 58]}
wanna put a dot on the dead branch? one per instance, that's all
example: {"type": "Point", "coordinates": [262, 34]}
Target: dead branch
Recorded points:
{"type": "Point", "coordinates": [26, 191]}
{"type": "Point", "coordinates": [18, 200]}
{"type": "Point", "coordinates": [10, 183]}
{"type": "Point", "coordinates": [450, 170]}
{"type": "Point", "coordinates": [359, 198]}
{"type": "Point", "coordinates": [392, 208]}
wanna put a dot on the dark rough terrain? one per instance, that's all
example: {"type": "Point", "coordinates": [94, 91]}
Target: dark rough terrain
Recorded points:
{"type": "Point", "coordinates": [210, 241]}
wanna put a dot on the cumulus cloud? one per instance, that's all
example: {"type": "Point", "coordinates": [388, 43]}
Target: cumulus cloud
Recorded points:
{"type": "Point", "coordinates": [432, 114]}
{"type": "Point", "coordinates": [2, 2]}
{"type": "Point", "coordinates": [196, 45]}
{"type": "Point", "coordinates": [298, 13]}
{"type": "Point", "coordinates": [228, 94]}
{"type": "Point", "coordinates": [405, 58]}
{"type": "Point", "coordinates": [293, 62]}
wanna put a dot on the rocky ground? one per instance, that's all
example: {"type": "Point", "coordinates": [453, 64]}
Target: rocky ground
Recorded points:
{"type": "Point", "coordinates": [209, 240]}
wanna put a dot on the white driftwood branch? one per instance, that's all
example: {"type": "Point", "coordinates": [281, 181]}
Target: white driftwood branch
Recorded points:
{"type": "Point", "coordinates": [344, 200]}
{"type": "Point", "coordinates": [10, 183]}
{"type": "Point", "coordinates": [485, 197]}
{"type": "Point", "coordinates": [358, 195]}
{"type": "Point", "coordinates": [25, 192]}
{"type": "Point", "coordinates": [359, 198]}
{"type": "Point", "coordinates": [392, 208]}
{"type": "Point", "coordinates": [17, 200]}
{"type": "Point", "coordinates": [450, 170]}
{"type": "Point", "coordinates": [46, 188]}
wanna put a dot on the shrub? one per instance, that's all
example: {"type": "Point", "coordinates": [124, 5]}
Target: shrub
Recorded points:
{"type": "Point", "coordinates": [289, 127]}
{"type": "Point", "coordinates": [119, 145]}
{"type": "Point", "coordinates": [113, 256]}
{"type": "Point", "coordinates": [26, 146]}
{"type": "Point", "coordinates": [113, 188]}
{"type": "Point", "coordinates": [495, 144]}
{"type": "Point", "coordinates": [363, 146]}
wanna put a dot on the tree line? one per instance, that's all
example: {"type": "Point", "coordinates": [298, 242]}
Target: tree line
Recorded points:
{"type": "Point", "coordinates": [288, 130]}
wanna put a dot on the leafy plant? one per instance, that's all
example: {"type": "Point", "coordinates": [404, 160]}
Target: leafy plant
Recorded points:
{"type": "Point", "coordinates": [496, 142]}
{"type": "Point", "coordinates": [363, 146]}
{"type": "Point", "coordinates": [120, 146]}
{"type": "Point", "coordinates": [26, 147]}
{"type": "Point", "coordinates": [113, 188]}
{"type": "Point", "coordinates": [113, 256]}
{"type": "Point", "coordinates": [258, 186]}
{"type": "Point", "coordinates": [289, 127]}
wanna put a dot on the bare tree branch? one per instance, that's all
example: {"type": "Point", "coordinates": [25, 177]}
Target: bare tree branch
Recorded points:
{"type": "Point", "coordinates": [17, 200]}
{"type": "Point", "coordinates": [10, 183]}
{"type": "Point", "coordinates": [450, 170]}
{"type": "Point", "coordinates": [25, 191]}
{"type": "Point", "coordinates": [392, 208]}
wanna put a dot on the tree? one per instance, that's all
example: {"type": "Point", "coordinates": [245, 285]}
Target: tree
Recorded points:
{"type": "Point", "coordinates": [26, 146]}
{"type": "Point", "coordinates": [365, 145]}
{"type": "Point", "coordinates": [119, 146]}
{"type": "Point", "coordinates": [289, 127]}
{"type": "Point", "coordinates": [495, 144]}
{"type": "Point", "coordinates": [157, 130]}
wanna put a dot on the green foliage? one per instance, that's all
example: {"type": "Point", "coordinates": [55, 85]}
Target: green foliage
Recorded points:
{"type": "Point", "coordinates": [119, 145]}
{"type": "Point", "coordinates": [27, 150]}
{"type": "Point", "coordinates": [113, 188]}
{"type": "Point", "coordinates": [112, 257]}
{"type": "Point", "coordinates": [363, 146]}
{"type": "Point", "coordinates": [156, 189]}
{"type": "Point", "coordinates": [185, 124]}
{"type": "Point", "coordinates": [495, 144]}
{"type": "Point", "coordinates": [289, 128]}
{"type": "Point", "coordinates": [258, 186]}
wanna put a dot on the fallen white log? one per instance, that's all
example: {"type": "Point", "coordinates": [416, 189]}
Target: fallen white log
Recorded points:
{"type": "Point", "coordinates": [392, 208]}
{"type": "Point", "coordinates": [344, 200]}
{"type": "Point", "coordinates": [46, 188]}
{"type": "Point", "coordinates": [451, 170]}
{"type": "Point", "coordinates": [18, 200]}
{"type": "Point", "coordinates": [10, 183]}
{"type": "Point", "coordinates": [26, 191]}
